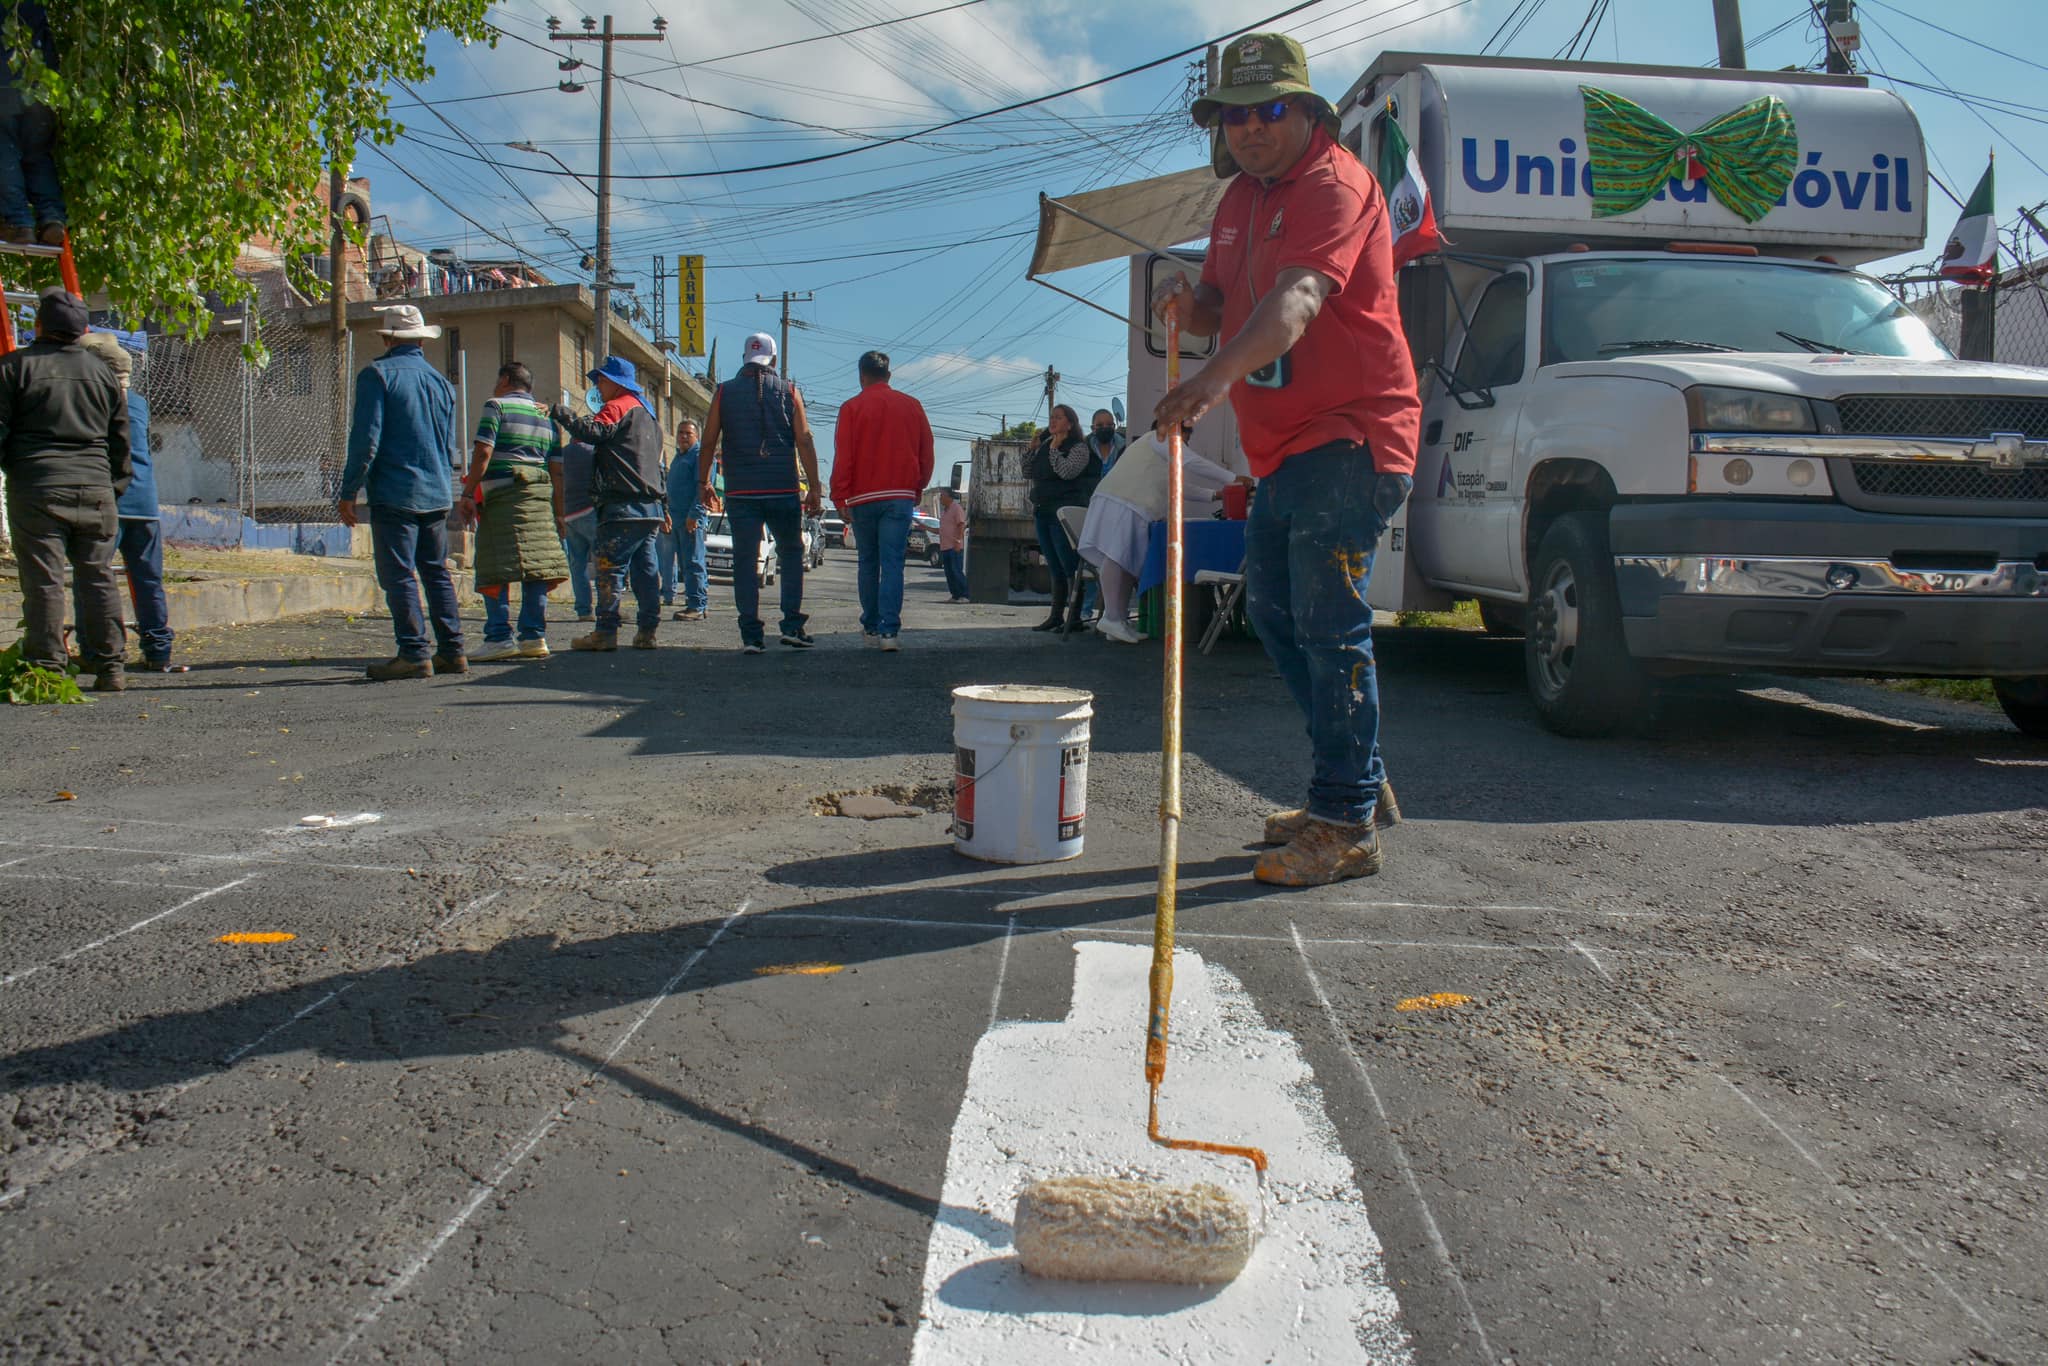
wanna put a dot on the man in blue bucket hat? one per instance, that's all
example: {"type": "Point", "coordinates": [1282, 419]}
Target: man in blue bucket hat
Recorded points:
{"type": "Point", "coordinates": [626, 489]}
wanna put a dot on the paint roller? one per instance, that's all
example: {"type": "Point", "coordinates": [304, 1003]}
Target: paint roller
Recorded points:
{"type": "Point", "coordinates": [1099, 1228]}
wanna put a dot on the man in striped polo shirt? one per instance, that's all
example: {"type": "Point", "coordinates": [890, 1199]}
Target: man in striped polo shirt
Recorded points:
{"type": "Point", "coordinates": [510, 494]}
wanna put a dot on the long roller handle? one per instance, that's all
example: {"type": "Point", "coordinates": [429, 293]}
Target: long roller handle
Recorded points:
{"type": "Point", "coordinates": [1169, 790]}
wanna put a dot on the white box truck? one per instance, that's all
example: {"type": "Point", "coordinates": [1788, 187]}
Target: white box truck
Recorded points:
{"type": "Point", "coordinates": [1664, 434]}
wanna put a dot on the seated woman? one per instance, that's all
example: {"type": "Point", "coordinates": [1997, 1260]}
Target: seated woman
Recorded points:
{"type": "Point", "coordinates": [1129, 499]}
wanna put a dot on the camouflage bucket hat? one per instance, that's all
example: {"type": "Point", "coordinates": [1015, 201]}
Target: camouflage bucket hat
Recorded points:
{"type": "Point", "coordinates": [1257, 68]}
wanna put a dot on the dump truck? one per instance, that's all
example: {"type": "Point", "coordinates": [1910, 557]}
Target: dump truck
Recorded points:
{"type": "Point", "coordinates": [1668, 426]}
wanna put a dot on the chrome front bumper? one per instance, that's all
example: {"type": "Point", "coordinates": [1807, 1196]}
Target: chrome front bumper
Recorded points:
{"type": "Point", "coordinates": [1802, 577]}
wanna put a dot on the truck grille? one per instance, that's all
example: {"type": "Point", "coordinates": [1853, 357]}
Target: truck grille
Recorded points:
{"type": "Point", "coordinates": [1952, 415]}
{"type": "Point", "coordinates": [1972, 483]}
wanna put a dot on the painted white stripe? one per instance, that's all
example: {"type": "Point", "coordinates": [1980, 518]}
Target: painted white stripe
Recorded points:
{"type": "Point", "coordinates": [983, 928]}
{"type": "Point", "coordinates": [1372, 1092]}
{"type": "Point", "coordinates": [26, 857]}
{"type": "Point", "coordinates": [995, 995]}
{"type": "Point", "coordinates": [105, 881]}
{"type": "Point", "coordinates": [182, 856]}
{"type": "Point", "coordinates": [1069, 1098]}
{"type": "Point", "coordinates": [389, 1293]}
{"type": "Point", "coordinates": [143, 923]}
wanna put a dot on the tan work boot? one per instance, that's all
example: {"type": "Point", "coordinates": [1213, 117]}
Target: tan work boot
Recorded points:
{"type": "Point", "coordinates": [1324, 852]}
{"type": "Point", "coordinates": [596, 640]}
{"type": "Point", "coordinates": [1283, 826]}
{"type": "Point", "coordinates": [643, 640]}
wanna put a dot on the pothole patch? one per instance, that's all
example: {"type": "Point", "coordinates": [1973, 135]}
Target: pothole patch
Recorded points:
{"type": "Point", "coordinates": [885, 801]}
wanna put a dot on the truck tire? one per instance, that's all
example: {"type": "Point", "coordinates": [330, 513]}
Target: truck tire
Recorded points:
{"type": "Point", "coordinates": [1499, 618]}
{"type": "Point", "coordinates": [2026, 702]}
{"type": "Point", "coordinates": [1580, 673]}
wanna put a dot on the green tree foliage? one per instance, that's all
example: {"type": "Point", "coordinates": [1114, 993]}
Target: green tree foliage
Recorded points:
{"type": "Point", "coordinates": [186, 127]}
{"type": "Point", "coordinates": [1019, 431]}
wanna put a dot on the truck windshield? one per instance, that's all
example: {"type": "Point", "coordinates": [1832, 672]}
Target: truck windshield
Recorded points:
{"type": "Point", "coordinates": [1605, 307]}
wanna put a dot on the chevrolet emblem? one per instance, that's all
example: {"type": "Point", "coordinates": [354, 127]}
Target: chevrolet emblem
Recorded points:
{"type": "Point", "coordinates": [2004, 450]}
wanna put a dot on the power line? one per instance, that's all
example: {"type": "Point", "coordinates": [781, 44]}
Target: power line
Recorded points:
{"type": "Point", "coordinates": [971, 118]}
{"type": "Point", "coordinates": [1963, 37]}
{"type": "Point", "coordinates": [821, 37]}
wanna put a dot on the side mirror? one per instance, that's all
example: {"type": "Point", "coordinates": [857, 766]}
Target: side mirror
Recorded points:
{"type": "Point", "coordinates": [1468, 398]}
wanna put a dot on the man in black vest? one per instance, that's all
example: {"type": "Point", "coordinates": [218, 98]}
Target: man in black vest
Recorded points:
{"type": "Point", "coordinates": [755, 432]}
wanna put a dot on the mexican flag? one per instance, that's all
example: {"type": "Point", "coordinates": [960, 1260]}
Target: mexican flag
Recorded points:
{"type": "Point", "coordinates": [1971, 256]}
{"type": "Point", "coordinates": [1408, 203]}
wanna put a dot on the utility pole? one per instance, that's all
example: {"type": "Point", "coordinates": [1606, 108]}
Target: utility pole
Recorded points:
{"type": "Point", "coordinates": [337, 303]}
{"type": "Point", "coordinates": [787, 299]}
{"type": "Point", "coordinates": [1728, 30]}
{"type": "Point", "coordinates": [662, 275]}
{"type": "Point", "coordinates": [602, 287]}
{"type": "Point", "coordinates": [1840, 22]}
{"type": "Point", "coordinates": [1052, 392]}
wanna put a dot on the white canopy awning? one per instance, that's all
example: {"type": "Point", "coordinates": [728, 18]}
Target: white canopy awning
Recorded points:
{"type": "Point", "coordinates": [1145, 215]}
{"type": "Point", "coordinates": [1103, 225]}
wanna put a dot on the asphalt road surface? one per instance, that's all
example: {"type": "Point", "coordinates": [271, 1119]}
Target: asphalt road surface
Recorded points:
{"type": "Point", "coordinates": [1751, 1060]}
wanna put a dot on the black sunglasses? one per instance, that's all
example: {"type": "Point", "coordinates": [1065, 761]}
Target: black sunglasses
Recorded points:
{"type": "Point", "coordinates": [1238, 115]}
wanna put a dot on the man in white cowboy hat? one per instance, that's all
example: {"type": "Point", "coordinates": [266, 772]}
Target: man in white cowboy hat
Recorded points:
{"type": "Point", "coordinates": [401, 443]}
{"type": "Point", "coordinates": [629, 490]}
{"type": "Point", "coordinates": [1298, 282]}
{"type": "Point", "coordinates": [757, 430]}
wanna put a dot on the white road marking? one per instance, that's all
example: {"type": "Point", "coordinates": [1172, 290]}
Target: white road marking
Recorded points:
{"type": "Point", "coordinates": [389, 1293]}
{"type": "Point", "coordinates": [105, 881]}
{"type": "Point", "coordinates": [49, 853]}
{"type": "Point", "coordinates": [176, 856]}
{"type": "Point", "coordinates": [1372, 1092]}
{"type": "Point", "coordinates": [143, 923]}
{"type": "Point", "coordinates": [995, 995]}
{"type": "Point", "coordinates": [1069, 1097]}
{"type": "Point", "coordinates": [982, 927]}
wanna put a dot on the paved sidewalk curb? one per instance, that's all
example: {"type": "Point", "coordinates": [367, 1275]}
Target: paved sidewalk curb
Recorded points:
{"type": "Point", "coordinates": [200, 601]}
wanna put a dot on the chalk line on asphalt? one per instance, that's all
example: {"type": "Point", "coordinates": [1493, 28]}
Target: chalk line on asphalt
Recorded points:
{"type": "Point", "coordinates": [107, 939]}
{"type": "Point", "coordinates": [1069, 1097]}
{"type": "Point", "coordinates": [1841, 1192]}
{"type": "Point", "coordinates": [389, 1293]}
{"type": "Point", "coordinates": [1379, 1106]}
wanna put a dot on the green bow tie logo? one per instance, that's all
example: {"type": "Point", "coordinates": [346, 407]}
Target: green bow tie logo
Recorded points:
{"type": "Point", "coordinates": [1747, 157]}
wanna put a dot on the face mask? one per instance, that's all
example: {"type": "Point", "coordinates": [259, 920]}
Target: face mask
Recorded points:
{"type": "Point", "coordinates": [1103, 429]}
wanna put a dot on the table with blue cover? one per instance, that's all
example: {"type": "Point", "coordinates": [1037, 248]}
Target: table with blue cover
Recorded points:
{"type": "Point", "coordinates": [1212, 544]}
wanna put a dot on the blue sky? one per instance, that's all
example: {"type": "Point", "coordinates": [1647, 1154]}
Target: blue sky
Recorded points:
{"type": "Point", "coordinates": [920, 248]}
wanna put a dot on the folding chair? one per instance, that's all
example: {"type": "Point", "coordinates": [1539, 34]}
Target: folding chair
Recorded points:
{"type": "Point", "coordinates": [1071, 520]}
{"type": "Point", "coordinates": [1228, 591]}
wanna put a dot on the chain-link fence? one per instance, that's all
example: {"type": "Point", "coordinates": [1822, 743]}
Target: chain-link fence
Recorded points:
{"type": "Point", "coordinates": [2019, 305]}
{"type": "Point", "coordinates": [260, 437]}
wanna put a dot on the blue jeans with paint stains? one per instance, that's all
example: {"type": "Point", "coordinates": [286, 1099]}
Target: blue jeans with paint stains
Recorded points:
{"type": "Point", "coordinates": [624, 549]}
{"type": "Point", "coordinates": [1309, 547]}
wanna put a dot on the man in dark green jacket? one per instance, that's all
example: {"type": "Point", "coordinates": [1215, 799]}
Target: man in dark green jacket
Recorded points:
{"type": "Point", "coordinates": [64, 446]}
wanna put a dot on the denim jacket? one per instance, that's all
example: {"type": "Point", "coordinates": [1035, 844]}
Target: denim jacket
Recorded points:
{"type": "Point", "coordinates": [402, 434]}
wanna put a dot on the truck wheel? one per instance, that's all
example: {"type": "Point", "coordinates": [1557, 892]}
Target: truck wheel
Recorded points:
{"type": "Point", "coordinates": [1580, 673]}
{"type": "Point", "coordinates": [1499, 618]}
{"type": "Point", "coordinates": [2025, 701]}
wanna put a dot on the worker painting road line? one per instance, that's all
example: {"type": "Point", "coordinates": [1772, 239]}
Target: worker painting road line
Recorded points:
{"type": "Point", "coordinates": [1047, 1099]}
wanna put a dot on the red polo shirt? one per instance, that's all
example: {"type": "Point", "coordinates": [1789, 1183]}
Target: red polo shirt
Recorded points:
{"type": "Point", "coordinates": [1352, 379]}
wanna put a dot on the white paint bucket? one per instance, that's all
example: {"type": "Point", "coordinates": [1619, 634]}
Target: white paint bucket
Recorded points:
{"type": "Point", "coordinates": [1020, 771]}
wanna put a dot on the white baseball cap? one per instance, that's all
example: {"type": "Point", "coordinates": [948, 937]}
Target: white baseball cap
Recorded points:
{"type": "Point", "coordinates": [759, 350]}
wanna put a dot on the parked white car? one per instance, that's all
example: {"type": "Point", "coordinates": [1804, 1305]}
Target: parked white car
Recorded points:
{"type": "Point", "coordinates": [718, 551]}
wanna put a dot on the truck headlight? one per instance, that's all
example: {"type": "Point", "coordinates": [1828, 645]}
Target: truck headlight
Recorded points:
{"type": "Point", "coordinates": [1714, 409]}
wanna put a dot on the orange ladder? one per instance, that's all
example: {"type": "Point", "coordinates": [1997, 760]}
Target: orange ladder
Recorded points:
{"type": "Point", "coordinates": [65, 265]}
